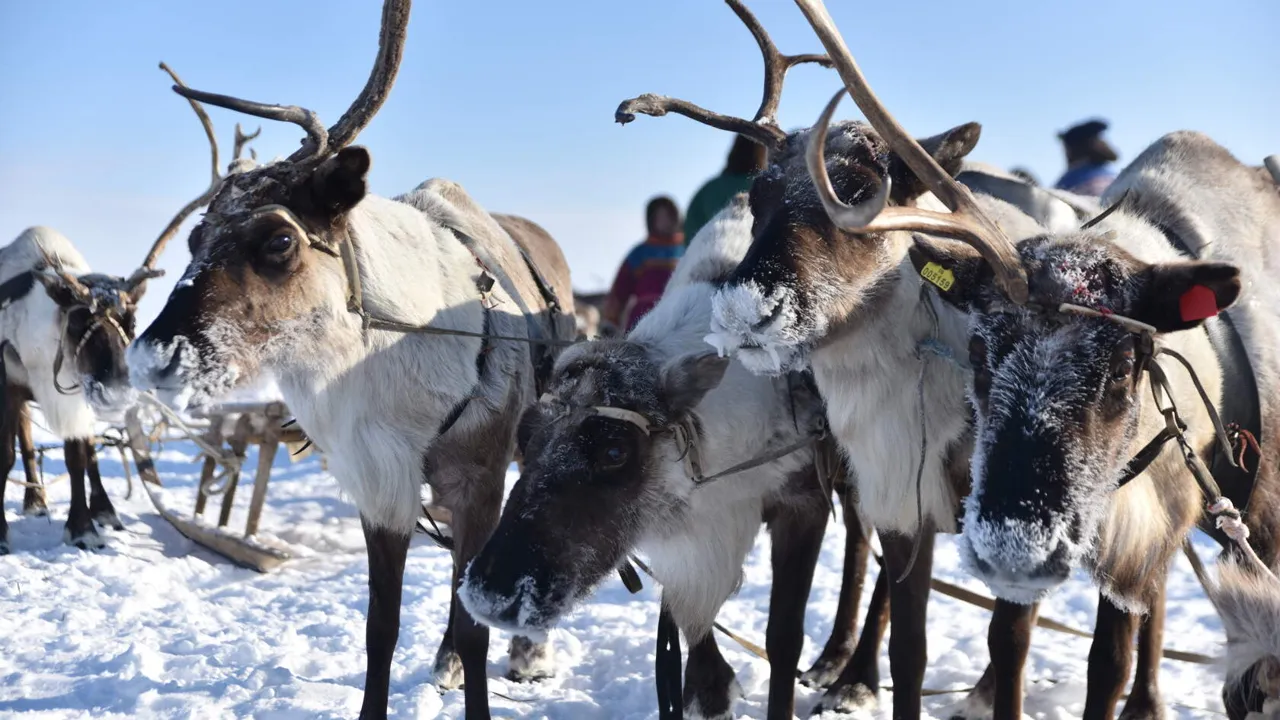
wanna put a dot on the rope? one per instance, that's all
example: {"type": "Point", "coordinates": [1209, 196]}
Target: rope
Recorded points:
{"type": "Point", "coordinates": [229, 461]}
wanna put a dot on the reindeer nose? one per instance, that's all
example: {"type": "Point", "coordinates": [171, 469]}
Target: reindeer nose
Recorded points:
{"type": "Point", "coordinates": [1016, 553]}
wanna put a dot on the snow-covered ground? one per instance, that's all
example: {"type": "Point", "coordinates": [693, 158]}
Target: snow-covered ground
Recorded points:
{"type": "Point", "coordinates": [154, 626]}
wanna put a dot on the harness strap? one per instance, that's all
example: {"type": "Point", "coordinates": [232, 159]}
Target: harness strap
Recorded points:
{"type": "Point", "coordinates": [1147, 455]}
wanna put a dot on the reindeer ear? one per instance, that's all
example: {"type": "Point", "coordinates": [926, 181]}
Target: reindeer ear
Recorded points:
{"type": "Point", "coordinates": [954, 270]}
{"type": "Point", "coordinates": [685, 380]}
{"type": "Point", "coordinates": [1179, 296]}
{"type": "Point", "coordinates": [339, 183]}
{"type": "Point", "coordinates": [949, 149]}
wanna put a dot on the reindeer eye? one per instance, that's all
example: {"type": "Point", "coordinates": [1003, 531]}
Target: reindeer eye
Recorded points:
{"type": "Point", "coordinates": [1122, 368]}
{"type": "Point", "coordinates": [281, 242]}
{"type": "Point", "coordinates": [611, 457]}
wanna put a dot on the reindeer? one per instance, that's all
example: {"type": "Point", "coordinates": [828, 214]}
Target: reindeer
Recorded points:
{"type": "Point", "coordinates": [1179, 267]}
{"type": "Point", "coordinates": [850, 306]}
{"type": "Point", "coordinates": [63, 331]}
{"type": "Point", "coordinates": [614, 456]}
{"type": "Point", "coordinates": [282, 253]}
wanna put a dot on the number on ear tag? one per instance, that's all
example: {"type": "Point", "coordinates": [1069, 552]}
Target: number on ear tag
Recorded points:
{"type": "Point", "coordinates": [938, 275]}
{"type": "Point", "coordinates": [1198, 303]}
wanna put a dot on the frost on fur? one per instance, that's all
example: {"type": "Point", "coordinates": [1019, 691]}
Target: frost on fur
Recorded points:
{"type": "Point", "coordinates": [1247, 597]}
{"type": "Point", "coordinates": [761, 331]}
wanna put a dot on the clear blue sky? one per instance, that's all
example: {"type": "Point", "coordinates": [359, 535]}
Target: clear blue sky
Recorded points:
{"type": "Point", "coordinates": [515, 99]}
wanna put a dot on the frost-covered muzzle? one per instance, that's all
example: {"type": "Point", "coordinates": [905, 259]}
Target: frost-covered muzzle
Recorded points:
{"type": "Point", "coordinates": [759, 328]}
{"type": "Point", "coordinates": [175, 358]}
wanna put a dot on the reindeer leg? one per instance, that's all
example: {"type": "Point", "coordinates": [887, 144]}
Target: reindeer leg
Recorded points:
{"type": "Point", "coordinates": [473, 523]}
{"type": "Point", "coordinates": [908, 605]}
{"type": "Point", "coordinates": [1144, 699]}
{"type": "Point", "coordinates": [856, 688]}
{"type": "Point", "coordinates": [34, 502]}
{"type": "Point", "coordinates": [710, 687]}
{"type": "Point", "coordinates": [999, 691]}
{"type": "Point", "coordinates": [100, 507]}
{"type": "Point", "coordinates": [447, 672]}
{"type": "Point", "coordinates": [840, 645]}
{"type": "Point", "coordinates": [1009, 640]}
{"type": "Point", "coordinates": [387, 552]}
{"type": "Point", "coordinates": [7, 426]}
{"type": "Point", "coordinates": [79, 530]}
{"type": "Point", "coordinates": [796, 542]}
{"type": "Point", "coordinates": [1110, 660]}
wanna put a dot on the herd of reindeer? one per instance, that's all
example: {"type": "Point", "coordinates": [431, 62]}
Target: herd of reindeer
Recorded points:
{"type": "Point", "coordinates": [1065, 383]}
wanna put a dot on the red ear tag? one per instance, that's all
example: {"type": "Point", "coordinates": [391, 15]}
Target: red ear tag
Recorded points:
{"type": "Point", "coordinates": [1198, 303]}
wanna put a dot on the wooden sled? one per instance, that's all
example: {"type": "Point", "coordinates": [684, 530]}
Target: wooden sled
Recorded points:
{"type": "Point", "coordinates": [250, 424]}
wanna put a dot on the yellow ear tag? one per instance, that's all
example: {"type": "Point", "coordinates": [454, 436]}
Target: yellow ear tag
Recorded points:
{"type": "Point", "coordinates": [938, 275]}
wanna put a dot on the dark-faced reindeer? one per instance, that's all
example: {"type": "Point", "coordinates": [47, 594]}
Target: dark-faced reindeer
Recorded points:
{"type": "Point", "coordinates": [851, 306]}
{"type": "Point", "coordinates": [615, 456]}
{"type": "Point", "coordinates": [284, 255]}
{"type": "Point", "coordinates": [63, 331]}
{"type": "Point", "coordinates": [1070, 392]}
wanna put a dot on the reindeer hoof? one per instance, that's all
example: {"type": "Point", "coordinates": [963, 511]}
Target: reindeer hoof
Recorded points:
{"type": "Point", "coordinates": [85, 539]}
{"type": "Point", "coordinates": [35, 508]}
{"type": "Point", "coordinates": [529, 661]}
{"type": "Point", "coordinates": [825, 671]}
{"type": "Point", "coordinates": [708, 703]}
{"type": "Point", "coordinates": [845, 699]}
{"type": "Point", "coordinates": [108, 519]}
{"type": "Point", "coordinates": [1153, 711]}
{"type": "Point", "coordinates": [448, 671]}
{"type": "Point", "coordinates": [4, 547]}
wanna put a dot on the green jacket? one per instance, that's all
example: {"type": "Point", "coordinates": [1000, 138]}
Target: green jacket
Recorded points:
{"type": "Point", "coordinates": [711, 199]}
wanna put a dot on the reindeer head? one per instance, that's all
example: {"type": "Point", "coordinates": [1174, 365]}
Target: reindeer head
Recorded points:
{"type": "Point", "coordinates": [815, 261]}
{"type": "Point", "coordinates": [1058, 395]}
{"type": "Point", "coordinates": [97, 324]}
{"type": "Point", "coordinates": [595, 480]}
{"type": "Point", "coordinates": [265, 260]}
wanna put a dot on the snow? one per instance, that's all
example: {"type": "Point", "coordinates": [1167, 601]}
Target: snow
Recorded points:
{"type": "Point", "coordinates": [153, 626]}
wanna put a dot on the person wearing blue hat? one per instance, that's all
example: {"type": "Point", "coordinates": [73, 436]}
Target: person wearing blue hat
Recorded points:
{"type": "Point", "coordinates": [1089, 159]}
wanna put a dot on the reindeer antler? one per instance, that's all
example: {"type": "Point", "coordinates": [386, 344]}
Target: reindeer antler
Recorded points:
{"type": "Point", "coordinates": [147, 270]}
{"type": "Point", "coordinates": [321, 142]}
{"type": "Point", "coordinates": [57, 273]}
{"type": "Point", "coordinates": [966, 222]}
{"type": "Point", "coordinates": [242, 140]}
{"type": "Point", "coordinates": [763, 129]}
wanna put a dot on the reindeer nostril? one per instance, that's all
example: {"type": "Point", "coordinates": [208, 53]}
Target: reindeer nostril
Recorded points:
{"type": "Point", "coordinates": [768, 319]}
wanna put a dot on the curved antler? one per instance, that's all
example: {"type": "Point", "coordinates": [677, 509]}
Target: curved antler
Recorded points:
{"type": "Point", "coordinates": [317, 137]}
{"type": "Point", "coordinates": [395, 23]}
{"type": "Point", "coordinates": [321, 142]}
{"type": "Point", "coordinates": [147, 270]}
{"type": "Point", "coordinates": [966, 222]}
{"type": "Point", "coordinates": [763, 129]}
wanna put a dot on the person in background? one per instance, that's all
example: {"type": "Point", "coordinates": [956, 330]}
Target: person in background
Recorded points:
{"type": "Point", "coordinates": [746, 158]}
{"type": "Point", "coordinates": [644, 273]}
{"type": "Point", "coordinates": [1089, 159]}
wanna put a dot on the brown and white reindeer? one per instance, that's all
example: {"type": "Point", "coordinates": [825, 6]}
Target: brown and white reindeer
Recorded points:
{"type": "Point", "coordinates": [63, 334]}
{"type": "Point", "coordinates": [282, 253]}
{"type": "Point", "coordinates": [615, 456]}
{"type": "Point", "coordinates": [850, 305]}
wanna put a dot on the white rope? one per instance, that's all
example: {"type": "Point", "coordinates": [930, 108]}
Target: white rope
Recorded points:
{"type": "Point", "coordinates": [228, 460]}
